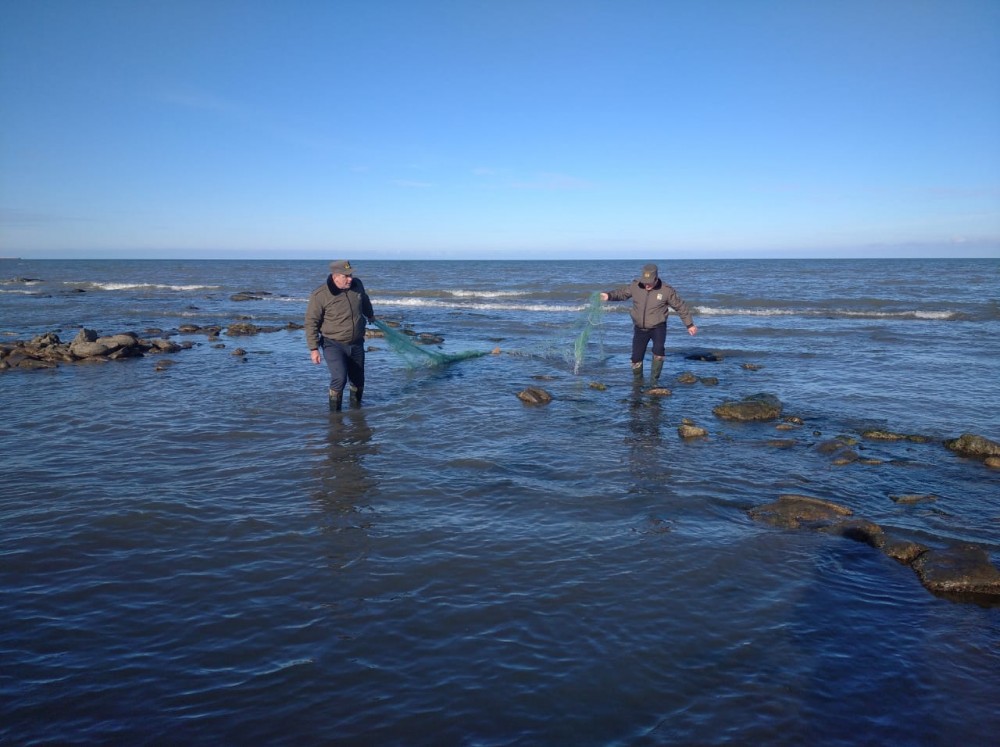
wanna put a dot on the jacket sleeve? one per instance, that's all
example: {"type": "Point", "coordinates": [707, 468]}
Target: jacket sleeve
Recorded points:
{"type": "Point", "coordinates": [366, 308]}
{"type": "Point", "coordinates": [314, 318]}
{"type": "Point", "coordinates": [620, 294]}
{"type": "Point", "coordinates": [678, 304]}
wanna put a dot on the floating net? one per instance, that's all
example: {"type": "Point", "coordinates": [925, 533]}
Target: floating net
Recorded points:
{"type": "Point", "coordinates": [417, 355]}
{"type": "Point", "coordinates": [591, 320]}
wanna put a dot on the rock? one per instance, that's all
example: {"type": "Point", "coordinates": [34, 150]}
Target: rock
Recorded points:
{"type": "Point", "coordinates": [187, 329]}
{"type": "Point", "coordinates": [160, 345]}
{"type": "Point", "coordinates": [781, 443]}
{"type": "Point", "coordinates": [910, 499]}
{"type": "Point", "coordinates": [534, 396]}
{"type": "Point", "coordinates": [751, 367]}
{"type": "Point", "coordinates": [962, 571]}
{"type": "Point", "coordinates": [164, 364]}
{"type": "Point", "coordinates": [903, 551]}
{"type": "Point", "coordinates": [598, 386]}
{"type": "Point", "coordinates": [859, 530]}
{"type": "Point", "coordinates": [691, 431]}
{"type": "Point", "coordinates": [426, 338]}
{"type": "Point", "coordinates": [704, 355]}
{"type": "Point", "coordinates": [756, 407]}
{"type": "Point", "coordinates": [659, 391]}
{"type": "Point", "coordinates": [791, 511]}
{"type": "Point", "coordinates": [238, 352]}
{"type": "Point", "coordinates": [242, 329]}
{"type": "Point", "coordinates": [249, 296]}
{"type": "Point", "coordinates": [687, 378]}
{"type": "Point", "coordinates": [709, 381]}
{"type": "Point", "coordinates": [970, 445]}
{"type": "Point", "coordinates": [877, 435]}
{"type": "Point", "coordinates": [993, 462]}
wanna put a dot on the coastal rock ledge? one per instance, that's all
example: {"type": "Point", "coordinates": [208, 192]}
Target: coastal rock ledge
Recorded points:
{"type": "Point", "coordinates": [48, 351]}
{"type": "Point", "coordinates": [961, 573]}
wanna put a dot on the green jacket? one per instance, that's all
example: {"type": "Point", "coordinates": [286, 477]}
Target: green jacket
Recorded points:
{"type": "Point", "coordinates": [338, 314]}
{"type": "Point", "coordinates": [650, 308]}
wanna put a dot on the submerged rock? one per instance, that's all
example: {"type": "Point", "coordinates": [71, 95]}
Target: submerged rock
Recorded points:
{"type": "Point", "coordinates": [792, 511]}
{"type": "Point", "coordinates": [686, 430]}
{"type": "Point", "coordinates": [756, 407]}
{"type": "Point", "coordinates": [961, 572]}
{"type": "Point", "coordinates": [534, 396]}
{"type": "Point", "coordinates": [971, 445]}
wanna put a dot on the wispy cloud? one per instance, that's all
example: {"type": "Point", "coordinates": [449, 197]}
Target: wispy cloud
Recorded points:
{"type": "Point", "coordinates": [410, 184]}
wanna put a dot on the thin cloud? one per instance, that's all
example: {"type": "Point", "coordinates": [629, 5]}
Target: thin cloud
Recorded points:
{"type": "Point", "coordinates": [409, 184]}
{"type": "Point", "coordinates": [554, 182]}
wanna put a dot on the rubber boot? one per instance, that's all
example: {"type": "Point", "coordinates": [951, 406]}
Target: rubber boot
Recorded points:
{"type": "Point", "coordinates": [356, 392]}
{"type": "Point", "coordinates": [637, 372]}
{"type": "Point", "coordinates": [657, 369]}
{"type": "Point", "coordinates": [336, 400]}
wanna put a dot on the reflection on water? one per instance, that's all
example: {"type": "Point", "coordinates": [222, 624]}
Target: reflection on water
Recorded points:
{"type": "Point", "coordinates": [346, 485]}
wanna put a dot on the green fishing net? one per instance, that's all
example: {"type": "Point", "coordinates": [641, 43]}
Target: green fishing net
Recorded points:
{"type": "Point", "coordinates": [417, 354]}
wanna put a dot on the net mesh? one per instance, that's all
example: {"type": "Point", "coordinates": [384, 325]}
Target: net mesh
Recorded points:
{"type": "Point", "coordinates": [417, 355]}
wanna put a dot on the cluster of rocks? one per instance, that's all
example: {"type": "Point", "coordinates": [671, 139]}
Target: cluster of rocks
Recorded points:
{"type": "Point", "coordinates": [961, 572]}
{"type": "Point", "coordinates": [48, 351]}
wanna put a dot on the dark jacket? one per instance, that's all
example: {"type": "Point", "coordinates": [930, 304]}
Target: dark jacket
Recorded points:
{"type": "Point", "coordinates": [650, 308]}
{"type": "Point", "coordinates": [338, 314]}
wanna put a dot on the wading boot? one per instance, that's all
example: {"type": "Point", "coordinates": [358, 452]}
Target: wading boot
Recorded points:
{"type": "Point", "coordinates": [637, 373]}
{"type": "Point", "coordinates": [356, 392]}
{"type": "Point", "coordinates": [657, 370]}
{"type": "Point", "coordinates": [336, 400]}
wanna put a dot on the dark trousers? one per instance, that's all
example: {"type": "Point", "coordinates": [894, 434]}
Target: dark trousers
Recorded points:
{"type": "Point", "coordinates": [641, 338]}
{"type": "Point", "coordinates": [346, 363]}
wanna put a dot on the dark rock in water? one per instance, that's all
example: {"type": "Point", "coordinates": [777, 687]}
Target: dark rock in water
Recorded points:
{"type": "Point", "coordinates": [963, 572]}
{"type": "Point", "coordinates": [187, 329]}
{"type": "Point", "coordinates": [164, 364]}
{"type": "Point", "coordinates": [971, 445]}
{"type": "Point", "coordinates": [239, 352]}
{"type": "Point", "coordinates": [704, 355]}
{"type": "Point", "coordinates": [709, 380]}
{"type": "Point", "coordinates": [659, 391]}
{"type": "Point", "coordinates": [534, 396]}
{"type": "Point", "coordinates": [903, 551]}
{"type": "Point", "coordinates": [687, 378]}
{"type": "Point", "coordinates": [598, 386]}
{"type": "Point", "coordinates": [426, 338]}
{"type": "Point", "coordinates": [756, 407]}
{"type": "Point", "coordinates": [687, 430]}
{"type": "Point", "coordinates": [859, 530]}
{"type": "Point", "coordinates": [781, 443]}
{"type": "Point", "coordinates": [908, 500]}
{"type": "Point", "coordinates": [751, 367]}
{"type": "Point", "coordinates": [249, 296]}
{"type": "Point", "coordinates": [877, 435]}
{"type": "Point", "coordinates": [793, 511]}
{"type": "Point", "coordinates": [242, 329]}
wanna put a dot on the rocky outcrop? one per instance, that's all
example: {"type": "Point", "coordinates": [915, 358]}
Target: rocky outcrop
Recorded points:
{"type": "Point", "coordinates": [533, 395]}
{"type": "Point", "coordinates": [976, 447]}
{"type": "Point", "coordinates": [962, 572]}
{"type": "Point", "coordinates": [757, 407]}
{"type": "Point", "coordinates": [48, 351]}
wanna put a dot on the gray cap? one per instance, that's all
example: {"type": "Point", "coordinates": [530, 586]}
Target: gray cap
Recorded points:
{"type": "Point", "coordinates": [649, 275]}
{"type": "Point", "coordinates": [341, 267]}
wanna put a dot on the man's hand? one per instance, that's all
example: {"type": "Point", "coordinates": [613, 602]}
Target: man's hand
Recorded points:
{"type": "Point", "coordinates": [693, 330]}
{"type": "Point", "coordinates": [316, 357]}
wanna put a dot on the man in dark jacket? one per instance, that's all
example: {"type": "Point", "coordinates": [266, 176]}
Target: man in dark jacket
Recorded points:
{"type": "Point", "coordinates": [652, 300]}
{"type": "Point", "coordinates": [335, 323]}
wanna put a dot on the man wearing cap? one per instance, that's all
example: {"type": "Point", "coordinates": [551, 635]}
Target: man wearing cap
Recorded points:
{"type": "Point", "coordinates": [335, 323]}
{"type": "Point", "coordinates": [652, 300]}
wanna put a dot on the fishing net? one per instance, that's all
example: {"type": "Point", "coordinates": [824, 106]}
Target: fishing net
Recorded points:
{"type": "Point", "coordinates": [419, 355]}
{"type": "Point", "coordinates": [590, 321]}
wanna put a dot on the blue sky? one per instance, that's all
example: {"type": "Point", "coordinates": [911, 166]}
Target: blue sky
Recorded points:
{"type": "Point", "coordinates": [506, 128]}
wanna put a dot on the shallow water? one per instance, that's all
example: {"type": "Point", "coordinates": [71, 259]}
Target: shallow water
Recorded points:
{"type": "Point", "coordinates": [206, 555]}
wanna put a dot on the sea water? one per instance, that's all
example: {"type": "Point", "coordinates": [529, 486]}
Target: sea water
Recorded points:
{"type": "Point", "coordinates": [206, 555]}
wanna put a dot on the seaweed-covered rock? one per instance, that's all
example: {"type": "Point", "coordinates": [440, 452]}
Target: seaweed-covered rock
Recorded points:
{"type": "Point", "coordinates": [971, 445]}
{"type": "Point", "coordinates": [534, 396]}
{"type": "Point", "coordinates": [756, 407]}
{"type": "Point", "coordinates": [962, 571]}
{"type": "Point", "coordinates": [792, 511]}
{"type": "Point", "coordinates": [688, 430]}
